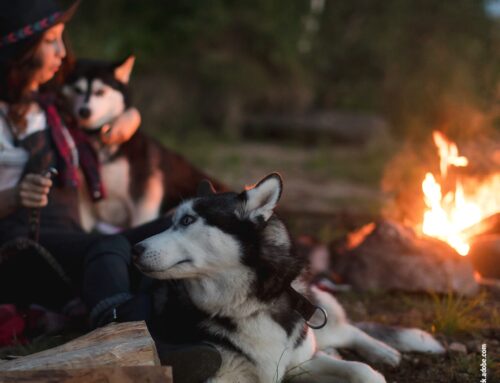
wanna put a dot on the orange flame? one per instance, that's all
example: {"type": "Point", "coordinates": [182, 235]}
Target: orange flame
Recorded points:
{"type": "Point", "coordinates": [448, 215]}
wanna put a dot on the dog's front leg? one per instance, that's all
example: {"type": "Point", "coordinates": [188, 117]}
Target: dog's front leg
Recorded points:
{"type": "Point", "coordinates": [339, 333]}
{"type": "Point", "coordinates": [350, 337]}
{"type": "Point", "coordinates": [325, 369]}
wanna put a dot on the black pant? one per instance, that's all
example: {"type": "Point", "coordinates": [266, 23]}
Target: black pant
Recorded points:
{"type": "Point", "coordinates": [99, 266]}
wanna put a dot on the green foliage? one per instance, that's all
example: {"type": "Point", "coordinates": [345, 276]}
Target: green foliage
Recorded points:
{"type": "Point", "coordinates": [408, 60]}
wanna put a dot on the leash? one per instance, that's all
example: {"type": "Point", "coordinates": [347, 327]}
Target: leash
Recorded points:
{"type": "Point", "coordinates": [306, 309]}
{"type": "Point", "coordinates": [13, 247]}
{"type": "Point", "coordinates": [34, 217]}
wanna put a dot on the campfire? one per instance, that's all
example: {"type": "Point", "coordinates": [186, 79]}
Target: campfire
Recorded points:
{"type": "Point", "coordinates": [460, 217]}
{"type": "Point", "coordinates": [456, 203]}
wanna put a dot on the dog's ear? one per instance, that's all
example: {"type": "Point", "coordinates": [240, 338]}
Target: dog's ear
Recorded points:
{"type": "Point", "coordinates": [124, 69]}
{"type": "Point", "coordinates": [261, 199]}
{"type": "Point", "coordinates": [205, 189]}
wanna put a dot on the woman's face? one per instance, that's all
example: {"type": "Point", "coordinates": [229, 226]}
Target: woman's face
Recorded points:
{"type": "Point", "coordinates": [50, 54]}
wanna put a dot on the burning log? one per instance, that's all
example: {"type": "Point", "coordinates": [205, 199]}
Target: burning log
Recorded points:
{"type": "Point", "coordinates": [485, 255]}
{"type": "Point", "coordinates": [489, 225]}
{"type": "Point", "coordinates": [485, 246]}
{"type": "Point", "coordinates": [389, 256]}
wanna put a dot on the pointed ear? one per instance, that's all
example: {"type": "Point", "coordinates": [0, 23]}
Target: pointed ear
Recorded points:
{"type": "Point", "coordinates": [205, 189]}
{"type": "Point", "coordinates": [123, 70]}
{"type": "Point", "coordinates": [260, 200]}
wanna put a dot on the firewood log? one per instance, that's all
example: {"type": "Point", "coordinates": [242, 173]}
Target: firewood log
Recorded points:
{"type": "Point", "coordinates": [489, 225]}
{"type": "Point", "coordinates": [123, 344]}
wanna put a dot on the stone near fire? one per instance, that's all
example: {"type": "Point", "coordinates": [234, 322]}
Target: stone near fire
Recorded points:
{"type": "Point", "coordinates": [458, 348]}
{"type": "Point", "coordinates": [389, 256]}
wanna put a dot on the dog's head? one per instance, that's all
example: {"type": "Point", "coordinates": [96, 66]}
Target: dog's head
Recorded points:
{"type": "Point", "coordinates": [225, 233]}
{"type": "Point", "coordinates": [97, 91]}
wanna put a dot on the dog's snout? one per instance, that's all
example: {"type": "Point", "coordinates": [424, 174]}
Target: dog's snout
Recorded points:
{"type": "Point", "coordinates": [137, 251]}
{"type": "Point", "coordinates": [84, 112]}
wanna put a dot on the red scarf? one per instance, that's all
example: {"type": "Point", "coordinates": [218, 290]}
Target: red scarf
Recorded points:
{"type": "Point", "coordinates": [88, 161]}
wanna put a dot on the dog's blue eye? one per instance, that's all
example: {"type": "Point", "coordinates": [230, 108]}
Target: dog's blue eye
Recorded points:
{"type": "Point", "coordinates": [78, 90]}
{"type": "Point", "coordinates": [187, 220]}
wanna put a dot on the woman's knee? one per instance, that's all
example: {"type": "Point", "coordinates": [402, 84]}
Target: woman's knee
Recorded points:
{"type": "Point", "coordinates": [115, 245]}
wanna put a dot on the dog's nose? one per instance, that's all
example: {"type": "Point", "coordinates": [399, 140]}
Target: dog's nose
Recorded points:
{"type": "Point", "coordinates": [84, 112]}
{"type": "Point", "coordinates": [137, 251]}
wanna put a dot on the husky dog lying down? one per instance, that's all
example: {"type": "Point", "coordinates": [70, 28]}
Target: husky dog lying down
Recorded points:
{"type": "Point", "coordinates": [243, 279]}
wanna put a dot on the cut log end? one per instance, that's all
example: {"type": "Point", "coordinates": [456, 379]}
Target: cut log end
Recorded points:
{"type": "Point", "coordinates": [115, 345]}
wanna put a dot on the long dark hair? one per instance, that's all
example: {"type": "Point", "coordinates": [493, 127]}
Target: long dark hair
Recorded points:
{"type": "Point", "coordinates": [16, 74]}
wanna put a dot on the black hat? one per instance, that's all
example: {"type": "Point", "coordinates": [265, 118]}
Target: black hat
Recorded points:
{"type": "Point", "coordinates": [23, 20]}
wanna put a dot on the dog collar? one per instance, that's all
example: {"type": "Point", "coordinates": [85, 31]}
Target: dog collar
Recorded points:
{"type": "Point", "coordinates": [306, 309]}
{"type": "Point", "coordinates": [93, 132]}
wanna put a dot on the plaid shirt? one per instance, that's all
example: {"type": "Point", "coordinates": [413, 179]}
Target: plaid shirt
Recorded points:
{"type": "Point", "coordinates": [74, 150]}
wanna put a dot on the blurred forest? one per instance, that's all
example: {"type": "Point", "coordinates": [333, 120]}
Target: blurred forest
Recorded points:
{"type": "Point", "coordinates": [417, 64]}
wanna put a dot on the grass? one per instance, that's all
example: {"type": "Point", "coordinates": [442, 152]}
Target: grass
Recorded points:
{"type": "Point", "coordinates": [448, 314]}
{"type": "Point", "coordinates": [453, 313]}
{"type": "Point", "coordinates": [363, 165]}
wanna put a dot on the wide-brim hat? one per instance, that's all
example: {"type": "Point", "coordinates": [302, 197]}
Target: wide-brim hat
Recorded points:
{"type": "Point", "coordinates": [22, 21]}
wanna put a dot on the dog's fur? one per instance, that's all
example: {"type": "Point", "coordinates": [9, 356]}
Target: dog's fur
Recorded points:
{"type": "Point", "coordinates": [142, 177]}
{"type": "Point", "coordinates": [236, 263]}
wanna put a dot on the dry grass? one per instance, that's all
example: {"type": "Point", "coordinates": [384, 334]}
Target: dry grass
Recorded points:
{"type": "Point", "coordinates": [453, 313]}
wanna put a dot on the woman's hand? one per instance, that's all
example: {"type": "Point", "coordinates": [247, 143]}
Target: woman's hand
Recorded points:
{"type": "Point", "coordinates": [122, 128]}
{"type": "Point", "coordinates": [33, 190]}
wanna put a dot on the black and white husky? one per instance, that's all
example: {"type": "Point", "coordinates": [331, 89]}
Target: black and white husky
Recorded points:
{"type": "Point", "coordinates": [142, 177]}
{"type": "Point", "coordinates": [237, 265]}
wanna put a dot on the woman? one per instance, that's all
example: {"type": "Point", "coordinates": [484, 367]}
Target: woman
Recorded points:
{"type": "Point", "coordinates": [33, 138]}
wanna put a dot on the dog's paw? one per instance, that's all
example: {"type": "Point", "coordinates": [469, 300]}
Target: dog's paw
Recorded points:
{"type": "Point", "coordinates": [386, 354]}
{"type": "Point", "coordinates": [365, 374]}
{"type": "Point", "coordinates": [332, 352]}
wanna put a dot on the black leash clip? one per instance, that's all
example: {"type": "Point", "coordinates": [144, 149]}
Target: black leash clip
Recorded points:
{"type": "Point", "coordinates": [325, 319]}
{"type": "Point", "coordinates": [306, 309]}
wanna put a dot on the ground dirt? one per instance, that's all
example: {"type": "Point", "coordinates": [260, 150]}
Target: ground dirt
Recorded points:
{"type": "Point", "coordinates": [480, 326]}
